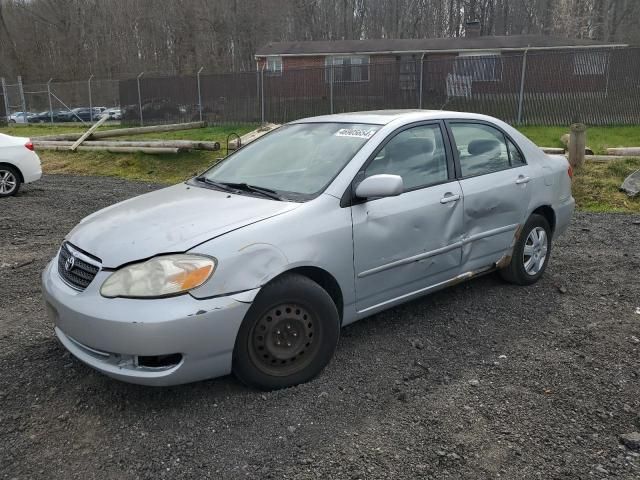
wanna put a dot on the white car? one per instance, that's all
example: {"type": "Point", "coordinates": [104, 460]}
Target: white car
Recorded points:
{"type": "Point", "coordinates": [112, 113]}
{"type": "Point", "coordinates": [18, 164]}
{"type": "Point", "coordinates": [20, 117]}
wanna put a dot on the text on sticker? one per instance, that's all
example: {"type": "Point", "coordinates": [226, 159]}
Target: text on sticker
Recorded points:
{"type": "Point", "coordinates": [355, 132]}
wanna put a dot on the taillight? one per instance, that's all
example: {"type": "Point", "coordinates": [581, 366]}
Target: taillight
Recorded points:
{"type": "Point", "coordinates": [570, 171]}
{"type": "Point", "coordinates": [29, 145]}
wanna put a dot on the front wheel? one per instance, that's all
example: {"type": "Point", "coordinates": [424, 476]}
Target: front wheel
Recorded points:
{"type": "Point", "coordinates": [288, 335]}
{"type": "Point", "coordinates": [530, 253]}
{"type": "Point", "coordinates": [9, 181]}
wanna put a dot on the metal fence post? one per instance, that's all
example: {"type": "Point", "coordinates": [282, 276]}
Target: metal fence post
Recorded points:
{"type": "Point", "coordinates": [331, 66]}
{"type": "Point", "coordinates": [257, 90]}
{"type": "Point", "coordinates": [140, 98]}
{"type": "Point", "coordinates": [262, 94]}
{"type": "Point", "coordinates": [421, 74]}
{"type": "Point", "coordinates": [522, 78]}
{"type": "Point", "coordinates": [5, 96]}
{"type": "Point", "coordinates": [49, 96]}
{"type": "Point", "coordinates": [199, 93]}
{"type": "Point", "coordinates": [90, 101]}
{"type": "Point", "coordinates": [22, 100]}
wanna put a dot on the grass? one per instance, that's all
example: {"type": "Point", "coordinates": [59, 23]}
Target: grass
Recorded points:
{"type": "Point", "coordinates": [595, 186]}
{"type": "Point", "coordinates": [217, 133]}
{"type": "Point", "coordinates": [598, 138]}
{"type": "Point", "coordinates": [169, 168]}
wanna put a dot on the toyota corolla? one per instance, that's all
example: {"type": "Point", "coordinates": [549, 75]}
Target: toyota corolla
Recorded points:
{"type": "Point", "coordinates": [255, 265]}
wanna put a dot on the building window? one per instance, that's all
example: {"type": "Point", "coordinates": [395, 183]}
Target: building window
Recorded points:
{"type": "Point", "coordinates": [274, 66]}
{"type": "Point", "coordinates": [352, 68]}
{"type": "Point", "coordinates": [480, 66]}
{"type": "Point", "coordinates": [590, 63]}
{"type": "Point", "coordinates": [408, 73]}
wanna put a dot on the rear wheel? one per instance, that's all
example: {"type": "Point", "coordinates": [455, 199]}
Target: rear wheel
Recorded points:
{"type": "Point", "coordinates": [9, 181]}
{"type": "Point", "coordinates": [288, 335]}
{"type": "Point", "coordinates": [530, 253]}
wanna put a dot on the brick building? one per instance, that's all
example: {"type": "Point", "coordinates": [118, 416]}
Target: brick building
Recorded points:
{"type": "Point", "coordinates": [443, 66]}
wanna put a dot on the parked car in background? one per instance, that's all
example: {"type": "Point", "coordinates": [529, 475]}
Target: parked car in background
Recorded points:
{"type": "Point", "coordinates": [45, 117]}
{"type": "Point", "coordinates": [18, 164]}
{"type": "Point", "coordinates": [19, 117]}
{"type": "Point", "coordinates": [255, 265]}
{"type": "Point", "coordinates": [83, 114]}
{"type": "Point", "coordinates": [112, 113]}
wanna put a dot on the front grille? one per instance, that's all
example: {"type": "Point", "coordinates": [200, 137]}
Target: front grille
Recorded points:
{"type": "Point", "coordinates": [77, 268]}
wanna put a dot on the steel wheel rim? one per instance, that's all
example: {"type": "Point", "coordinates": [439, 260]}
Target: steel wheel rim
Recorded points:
{"type": "Point", "coordinates": [284, 340]}
{"type": "Point", "coordinates": [535, 251]}
{"type": "Point", "coordinates": [8, 182]}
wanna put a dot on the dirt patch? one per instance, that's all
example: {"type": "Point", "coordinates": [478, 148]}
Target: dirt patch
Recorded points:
{"type": "Point", "coordinates": [479, 381]}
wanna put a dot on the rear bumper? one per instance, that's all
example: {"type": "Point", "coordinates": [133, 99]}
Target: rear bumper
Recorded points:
{"type": "Point", "coordinates": [31, 168]}
{"type": "Point", "coordinates": [111, 335]}
{"type": "Point", "coordinates": [564, 212]}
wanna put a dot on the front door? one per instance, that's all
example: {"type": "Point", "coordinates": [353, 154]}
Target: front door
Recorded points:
{"type": "Point", "coordinates": [406, 243]}
{"type": "Point", "coordinates": [495, 183]}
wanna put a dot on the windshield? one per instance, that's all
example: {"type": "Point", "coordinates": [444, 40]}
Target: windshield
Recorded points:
{"type": "Point", "coordinates": [296, 161]}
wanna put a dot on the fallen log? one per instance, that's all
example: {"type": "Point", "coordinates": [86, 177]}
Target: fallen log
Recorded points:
{"type": "Point", "coordinates": [553, 150]}
{"type": "Point", "coordinates": [83, 148]}
{"type": "Point", "coordinates": [253, 135]}
{"type": "Point", "coordinates": [123, 132]}
{"type": "Point", "coordinates": [624, 151]}
{"type": "Point", "coordinates": [182, 144]}
{"type": "Point", "coordinates": [601, 158]}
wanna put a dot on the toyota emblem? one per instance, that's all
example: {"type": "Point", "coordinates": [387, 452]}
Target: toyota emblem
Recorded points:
{"type": "Point", "coordinates": [68, 265]}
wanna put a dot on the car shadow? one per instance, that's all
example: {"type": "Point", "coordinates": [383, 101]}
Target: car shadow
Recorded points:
{"type": "Point", "coordinates": [427, 338]}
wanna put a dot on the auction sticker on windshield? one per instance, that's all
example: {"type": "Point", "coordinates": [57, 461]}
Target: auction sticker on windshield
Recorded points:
{"type": "Point", "coordinates": [355, 132]}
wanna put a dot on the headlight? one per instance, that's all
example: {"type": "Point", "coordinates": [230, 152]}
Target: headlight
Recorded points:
{"type": "Point", "coordinates": [162, 276]}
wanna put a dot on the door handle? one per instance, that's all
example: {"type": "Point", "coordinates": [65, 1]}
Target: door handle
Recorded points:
{"type": "Point", "coordinates": [522, 179]}
{"type": "Point", "coordinates": [449, 197]}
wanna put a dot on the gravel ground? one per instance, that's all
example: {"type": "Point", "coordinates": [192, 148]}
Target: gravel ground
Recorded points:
{"type": "Point", "coordinates": [483, 380]}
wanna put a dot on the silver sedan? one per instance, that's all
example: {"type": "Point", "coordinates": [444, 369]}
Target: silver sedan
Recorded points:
{"type": "Point", "coordinates": [255, 265]}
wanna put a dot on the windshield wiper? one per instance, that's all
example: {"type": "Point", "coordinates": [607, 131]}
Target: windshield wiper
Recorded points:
{"type": "Point", "coordinates": [220, 185]}
{"type": "Point", "coordinates": [266, 192]}
{"type": "Point", "coordinates": [242, 186]}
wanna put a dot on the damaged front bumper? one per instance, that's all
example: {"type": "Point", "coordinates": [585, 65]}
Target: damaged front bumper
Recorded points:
{"type": "Point", "coordinates": [166, 341]}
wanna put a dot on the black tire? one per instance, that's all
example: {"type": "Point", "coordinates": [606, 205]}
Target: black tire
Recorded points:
{"type": "Point", "coordinates": [288, 335]}
{"type": "Point", "coordinates": [9, 175]}
{"type": "Point", "coordinates": [517, 271]}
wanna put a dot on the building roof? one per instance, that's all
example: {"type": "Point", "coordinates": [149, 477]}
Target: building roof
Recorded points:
{"type": "Point", "coordinates": [420, 45]}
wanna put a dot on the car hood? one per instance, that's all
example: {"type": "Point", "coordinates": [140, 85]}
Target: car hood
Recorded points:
{"type": "Point", "coordinates": [170, 220]}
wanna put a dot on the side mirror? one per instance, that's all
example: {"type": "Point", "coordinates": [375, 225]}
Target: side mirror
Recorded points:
{"type": "Point", "coordinates": [378, 186]}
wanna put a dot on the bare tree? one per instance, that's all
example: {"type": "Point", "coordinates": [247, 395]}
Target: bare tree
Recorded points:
{"type": "Point", "coordinates": [71, 39]}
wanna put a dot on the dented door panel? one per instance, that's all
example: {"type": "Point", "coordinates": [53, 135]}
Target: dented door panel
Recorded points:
{"type": "Point", "coordinates": [404, 243]}
{"type": "Point", "coordinates": [495, 205]}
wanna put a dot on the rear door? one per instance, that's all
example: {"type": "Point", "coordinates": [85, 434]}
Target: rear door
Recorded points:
{"type": "Point", "coordinates": [406, 243]}
{"type": "Point", "coordinates": [494, 178]}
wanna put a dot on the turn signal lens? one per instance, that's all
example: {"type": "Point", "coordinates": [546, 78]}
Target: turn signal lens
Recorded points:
{"type": "Point", "coordinates": [29, 145]}
{"type": "Point", "coordinates": [192, 279]}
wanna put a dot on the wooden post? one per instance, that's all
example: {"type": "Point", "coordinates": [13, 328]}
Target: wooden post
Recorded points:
{"type": "Point", "coordinates": [577, 144]}
{"type": "Point", "coordinates": [88, 133]}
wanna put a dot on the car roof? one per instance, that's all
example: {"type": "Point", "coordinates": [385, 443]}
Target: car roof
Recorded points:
{"type": "Point", "coordinates": [383, 117]}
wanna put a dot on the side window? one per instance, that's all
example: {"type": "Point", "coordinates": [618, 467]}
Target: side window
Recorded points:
{"type": "Point", "coordinates": [416, 154]}
{"type": "Point", "coordinates": [481, 148]}
{"type": "Point", "coordinates": [514, 154]}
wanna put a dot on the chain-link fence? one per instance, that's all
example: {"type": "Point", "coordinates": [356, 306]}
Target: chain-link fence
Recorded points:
{"type": "Point", "coordinates": [53, 101]}
{"type": "Point", "coordinates": [537, 87]}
